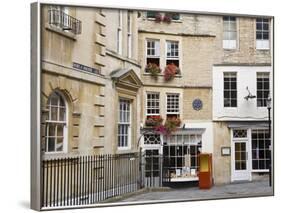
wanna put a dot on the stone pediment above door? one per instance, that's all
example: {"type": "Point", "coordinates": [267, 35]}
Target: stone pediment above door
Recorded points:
{"type": "Point", "coordinates": [126, 78]}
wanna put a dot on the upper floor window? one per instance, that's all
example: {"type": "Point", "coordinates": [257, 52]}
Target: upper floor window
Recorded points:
{"type": "Point", "coordinates": [119, 32]}
{"type": "Point", "coordinates": [151, 14]}
{"type": "Point", "coordinates": [153, 52]}
{"type": "Point", "coordinates": [230, 90]}
{"type": "Point", "coordinates": [55, 134]}
{"type": "Point", "coordinates": [172, 53]}
{"type": "Point", "coordinates": [59, 17]}
{"type": "Point", "coordinates": [124, 123]}
{"type": "Point", "coordinates": [173, 104]}
{"type": "Point", "coordinates": [229, 32]}
{"type": "Point", "coordinates": [129, 33]}
{"type": "Point", "coordinates": [262, 33]}
{"type": "Point", "coordinates": [166, 17]}
{"type": "Point", "coordinates": [152, 103]}
{"type": "Point", "coordinates": [262, 89]}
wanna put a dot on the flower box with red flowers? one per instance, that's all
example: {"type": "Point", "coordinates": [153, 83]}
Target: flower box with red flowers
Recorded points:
{"type": "Point", "coordinates": [153, 120]}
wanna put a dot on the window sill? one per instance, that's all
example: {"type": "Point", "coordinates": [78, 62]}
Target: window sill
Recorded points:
{"type": "Point", "coordinates": [60, 31]}
{"type": "Point", "coordinates": [172, 21]}
{"type": "Point", "coordinates": [148, 74]}
{"type": "Point", "coordinates": [260, 170]}
{"type": "Point", "coordinates": [263, 49]}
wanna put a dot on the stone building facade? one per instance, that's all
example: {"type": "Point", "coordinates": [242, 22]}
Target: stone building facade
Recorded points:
{"type": "Point", "coordinates": [105, 78]}
{"type": "Point", "coordinates": [84, 77]}
{"type": "Point", "coordinates": [209, 49]}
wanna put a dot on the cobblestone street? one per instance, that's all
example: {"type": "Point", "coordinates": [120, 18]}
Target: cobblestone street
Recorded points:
{"type": "Point", "coordinates": [256, 188]}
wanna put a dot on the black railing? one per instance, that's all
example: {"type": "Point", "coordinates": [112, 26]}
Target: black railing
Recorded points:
{"type": "Point", "coordinates": [64, 21]}
{"type": "Point", "coordinates": [90, 179]}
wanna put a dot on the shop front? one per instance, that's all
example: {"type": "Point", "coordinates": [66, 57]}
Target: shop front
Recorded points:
{"type": "Point", "coordinates": [250, 152]}
{"type": "Point", "coordinates": [173, 158]}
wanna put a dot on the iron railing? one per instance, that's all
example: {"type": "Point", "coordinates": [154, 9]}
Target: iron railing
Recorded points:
{"type": "Point", "coordinates": [89, 179]}
{"type": "Point", "coordinates": [64, 21]}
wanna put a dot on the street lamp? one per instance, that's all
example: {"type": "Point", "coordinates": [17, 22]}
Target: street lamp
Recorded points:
{"type": "Point", "coordinates": [268, 103]}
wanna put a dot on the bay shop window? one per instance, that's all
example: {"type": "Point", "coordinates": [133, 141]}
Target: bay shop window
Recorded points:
{"type": "Point", "coordinates": [180, 153]}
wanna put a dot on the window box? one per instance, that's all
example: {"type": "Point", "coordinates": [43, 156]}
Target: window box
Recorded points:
{"type": "Point", "coordinates": [153, 69]}
{"type": "Point", "coordinates": [170, 71]}
{"type": "Point", "coordinates": [171, 123]}
{"type": "Point", "coordinates": [154, 120]}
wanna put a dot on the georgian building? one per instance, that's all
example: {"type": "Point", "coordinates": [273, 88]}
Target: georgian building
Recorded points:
{"type": "Point", "coordinates": [219, 92]}
{"type": "Point", "coordinates": [110, 76]}
{"type": "Point", "coordinates": [90, 81]}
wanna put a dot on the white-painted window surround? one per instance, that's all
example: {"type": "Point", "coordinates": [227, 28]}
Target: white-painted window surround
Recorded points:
{"type": "Point", "coordinates": [230, 89]}
{"type": "Point", "coordinates": [152, 103]}
{"type": "Point", "coordinates": [124, 124]}
{"type": "Point", "coordinates": [262, 89]}
{"type": "Point", "coordinates": [56, 124]}
{"type": "Point", "coordinates": [173, 103]}
{"type": "Point", "coordinates": [229, 32]}
{"type": "Point", "coordinates": [262, 33]}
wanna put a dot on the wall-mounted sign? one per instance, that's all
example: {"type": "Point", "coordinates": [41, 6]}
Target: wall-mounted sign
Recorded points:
{"type": "Point", "coordinates": [197, 104]}
{"type": "Point", "coordinates": [85, 68]}
{"type": "Point", "coordinates": [225, 151]}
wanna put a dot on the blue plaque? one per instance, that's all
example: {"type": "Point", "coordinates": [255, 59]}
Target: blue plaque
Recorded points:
{"type": "Point", "coordinates": [197, 104]}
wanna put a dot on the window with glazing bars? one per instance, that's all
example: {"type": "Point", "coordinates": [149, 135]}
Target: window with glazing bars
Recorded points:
{"type": "Point", "coordinates": [55, 124]}
{"type": "Point", "coordinates": [152, 104]}
{"type": "Point", "coordinates": [260, 149]}
{"type": "Point", "coordinates": [262, 29]}
{"type": "Point", "coordinates": [262, 33]}
{"type": "Point", "coordinates": [152, 139]}
{"type": "Point", "coordinates": [262, 89]}
{"type": "Point", "coordinates": [129, 33]}
{"type": "Point", "coordinates": [153, 52]}
{"type": "Point", "coordinates": [172, 53]}
{"type": "Point", "coordinates": [230, 90]}
{"type": "Point", "coordinates": [173, 103]}
{"type": "Point", "coordinates": [124, 123]}
{"type": "Point", "coordinates": [229, 32]}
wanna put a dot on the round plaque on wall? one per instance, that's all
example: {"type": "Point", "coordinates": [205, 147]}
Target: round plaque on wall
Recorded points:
{"type": "Point", "coordinates": [197, 104]}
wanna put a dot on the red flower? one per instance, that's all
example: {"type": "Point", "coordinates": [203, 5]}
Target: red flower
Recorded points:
{"type": "Point", "coordinates": [170, 71]}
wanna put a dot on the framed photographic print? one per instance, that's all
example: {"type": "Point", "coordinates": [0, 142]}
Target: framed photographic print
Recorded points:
{"type": "Point", "coordinates": [117, 106]}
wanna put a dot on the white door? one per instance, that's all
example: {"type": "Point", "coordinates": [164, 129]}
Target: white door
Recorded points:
{"type": "Point", "coordinates": [240, 161]}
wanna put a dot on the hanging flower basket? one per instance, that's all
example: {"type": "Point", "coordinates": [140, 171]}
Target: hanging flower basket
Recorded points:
{"type": "Point", "coordinates": [171, 124]}
{"type": "Point", "coordinates": [154, 120]}
{"type": "Point", "coordinates": [170, 71]}
{"type": "Point", "coordinates": [153, 69]}
{"type": "Point", "coordinates": [169, 127]}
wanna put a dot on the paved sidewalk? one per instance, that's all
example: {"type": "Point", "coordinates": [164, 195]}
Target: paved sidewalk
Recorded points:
{"type": "Point", "coordinates": [256, 188]}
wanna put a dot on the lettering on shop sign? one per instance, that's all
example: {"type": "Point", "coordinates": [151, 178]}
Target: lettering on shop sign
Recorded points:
{"type": "Point", "coordinates": [85, 68]}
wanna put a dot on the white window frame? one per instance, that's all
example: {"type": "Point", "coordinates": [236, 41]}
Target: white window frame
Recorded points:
{"type": "Point", "coordinates": [119, 32]}
{"type": "Point", "coordinates": [50, 121]}
{"type": "Point", "coordinates": [171, 108]}
{"type": "Point", "coordinates": [127, 123]}
{"type": "Point", "coordinates": [156, 48]}
{"type": "Point", "coordinates": [230, 89]}
{"type": "Point", "coordinates": [176, 58]}
{"type": "Point", "coordinates": [229, 43]}
{"type": "Point", "coordinates": [129, 33]}
{"type": "Point", "coordinates": [259, 170]}
{"type": "Point", "coordinates": [263, 44]}
{"type": "Point", "coordinates": [154, 100]}
{"type": "Point", "coordinates": [263, 75]}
